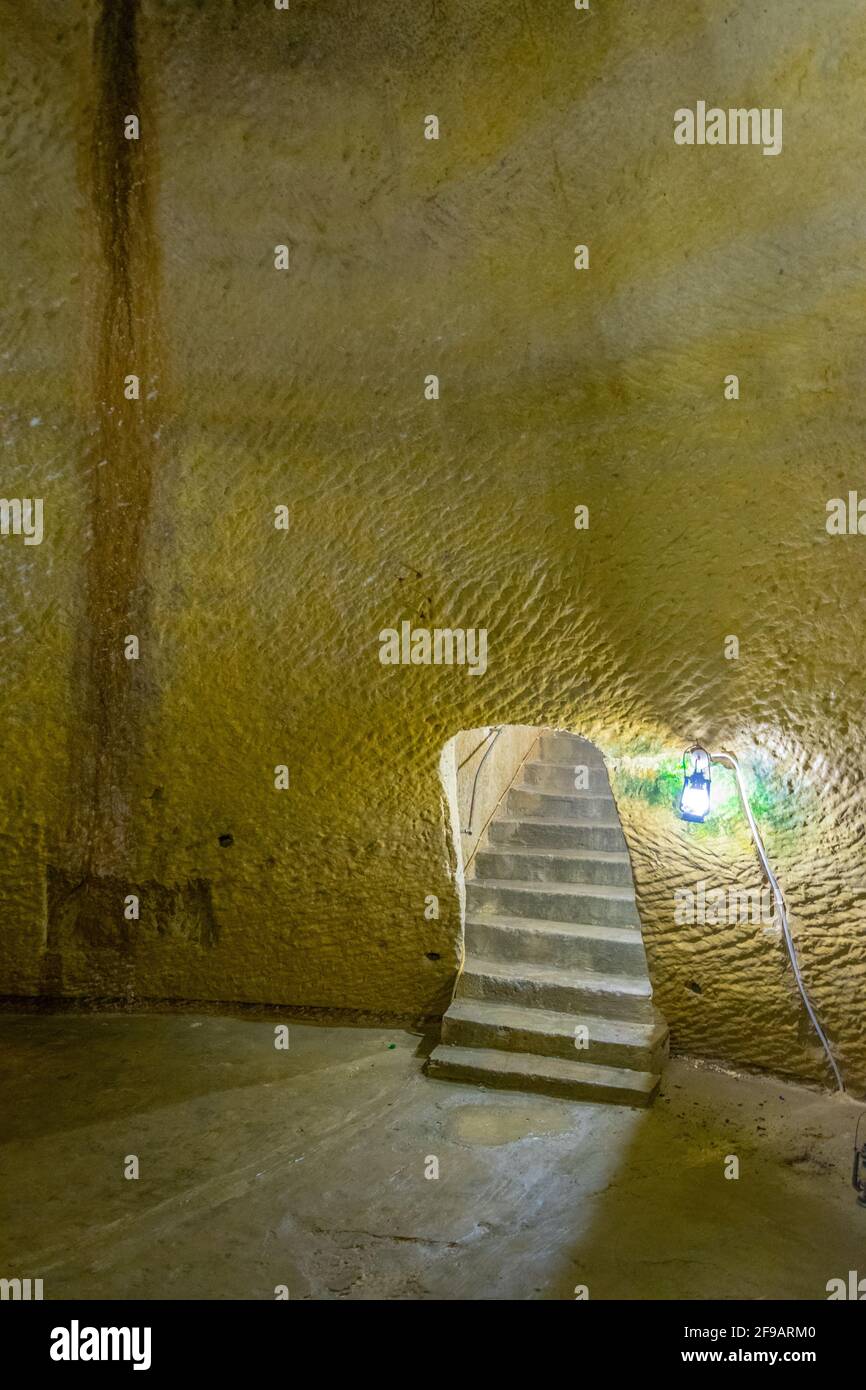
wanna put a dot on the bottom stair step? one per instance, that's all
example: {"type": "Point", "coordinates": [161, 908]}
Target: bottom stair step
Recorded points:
{"type": "Point", "coordinates": [526, 1071]}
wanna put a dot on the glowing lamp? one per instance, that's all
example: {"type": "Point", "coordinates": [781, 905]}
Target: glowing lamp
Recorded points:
{"type": "Point", "coordinates": [695, 796]}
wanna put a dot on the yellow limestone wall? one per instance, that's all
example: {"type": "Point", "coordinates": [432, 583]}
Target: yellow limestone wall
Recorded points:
{"type": "Point", "coordinates": [304, 388]}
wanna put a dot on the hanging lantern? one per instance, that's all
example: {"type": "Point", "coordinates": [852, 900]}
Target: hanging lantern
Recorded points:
{"type": "Point", "coordinates": [695, 796]}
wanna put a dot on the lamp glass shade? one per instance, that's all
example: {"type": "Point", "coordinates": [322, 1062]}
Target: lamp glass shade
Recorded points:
{"type": "Point", "coordinates": [695, 797]}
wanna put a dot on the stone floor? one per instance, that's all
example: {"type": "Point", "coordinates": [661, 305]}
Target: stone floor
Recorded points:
{"type": "Point", "coordinates": [306, 1168]}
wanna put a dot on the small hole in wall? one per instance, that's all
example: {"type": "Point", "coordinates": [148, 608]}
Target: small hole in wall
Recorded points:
{"type": "Point", "coordinates": [694, 987]}
{"type": "Point", "coordinates": [433, 955]}
{"type": "Point", "coordinates": [226, 840]}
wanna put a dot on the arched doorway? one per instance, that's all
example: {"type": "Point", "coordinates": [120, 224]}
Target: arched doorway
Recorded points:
{"type": "Point", "coordinates": [554, 994]}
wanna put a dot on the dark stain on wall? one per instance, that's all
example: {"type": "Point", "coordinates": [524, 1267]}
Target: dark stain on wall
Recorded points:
{"type": "Point", "coordinates": [121, 461]}
{"type": "Point", "coordinates": [85, 902]}
{"type": "Point", "coordinates": [89, 912]}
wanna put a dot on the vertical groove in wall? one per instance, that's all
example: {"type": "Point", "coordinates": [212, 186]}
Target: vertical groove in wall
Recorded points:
{"type": "Point", "coordinates": [124, 437]}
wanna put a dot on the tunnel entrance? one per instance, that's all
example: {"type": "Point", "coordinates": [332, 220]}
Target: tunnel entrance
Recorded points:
{"type": "Point", "coordinates": [554, 994]}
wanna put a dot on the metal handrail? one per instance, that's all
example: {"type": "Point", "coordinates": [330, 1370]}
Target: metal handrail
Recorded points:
{"type": "Point", "coordinates": [495, 730]}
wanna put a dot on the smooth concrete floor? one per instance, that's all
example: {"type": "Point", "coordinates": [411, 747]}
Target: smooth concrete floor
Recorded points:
{"type": "Point", "coordinates": [306, 1168]}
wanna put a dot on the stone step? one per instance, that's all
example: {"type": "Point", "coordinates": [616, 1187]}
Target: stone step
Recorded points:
{"type": "Point", "coordinates": [485, 1023]}
{"type": "Point", "coordinates": [567, 748]}
{"type": "Point", "coordinates": [560, 902]}
{"type": "Point", "coordinates": [612, 870]}
{"type": "Point", "coordinates": [576, 991]}
{"type": "Point", "coordinates": [583, 806]}
{"type": "Point", "coordinates": [524, 1071]}
{"type": "Point", "coordinates": [562, 776]}
{"type": "Point", "coordinates": [536, 832]}
{"type": "Point", "coordinates": [585, 945]}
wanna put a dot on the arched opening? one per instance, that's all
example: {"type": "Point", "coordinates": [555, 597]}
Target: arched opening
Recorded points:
{"type": "Point", "coordinates": [554, 994]}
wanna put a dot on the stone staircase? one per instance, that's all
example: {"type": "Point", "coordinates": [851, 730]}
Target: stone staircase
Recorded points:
{"type": "Point", "coordinates": [553, 941]}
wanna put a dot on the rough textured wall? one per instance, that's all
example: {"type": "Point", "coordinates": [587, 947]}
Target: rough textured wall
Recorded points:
{"type": "Point", "coordinates": [305, 388]}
